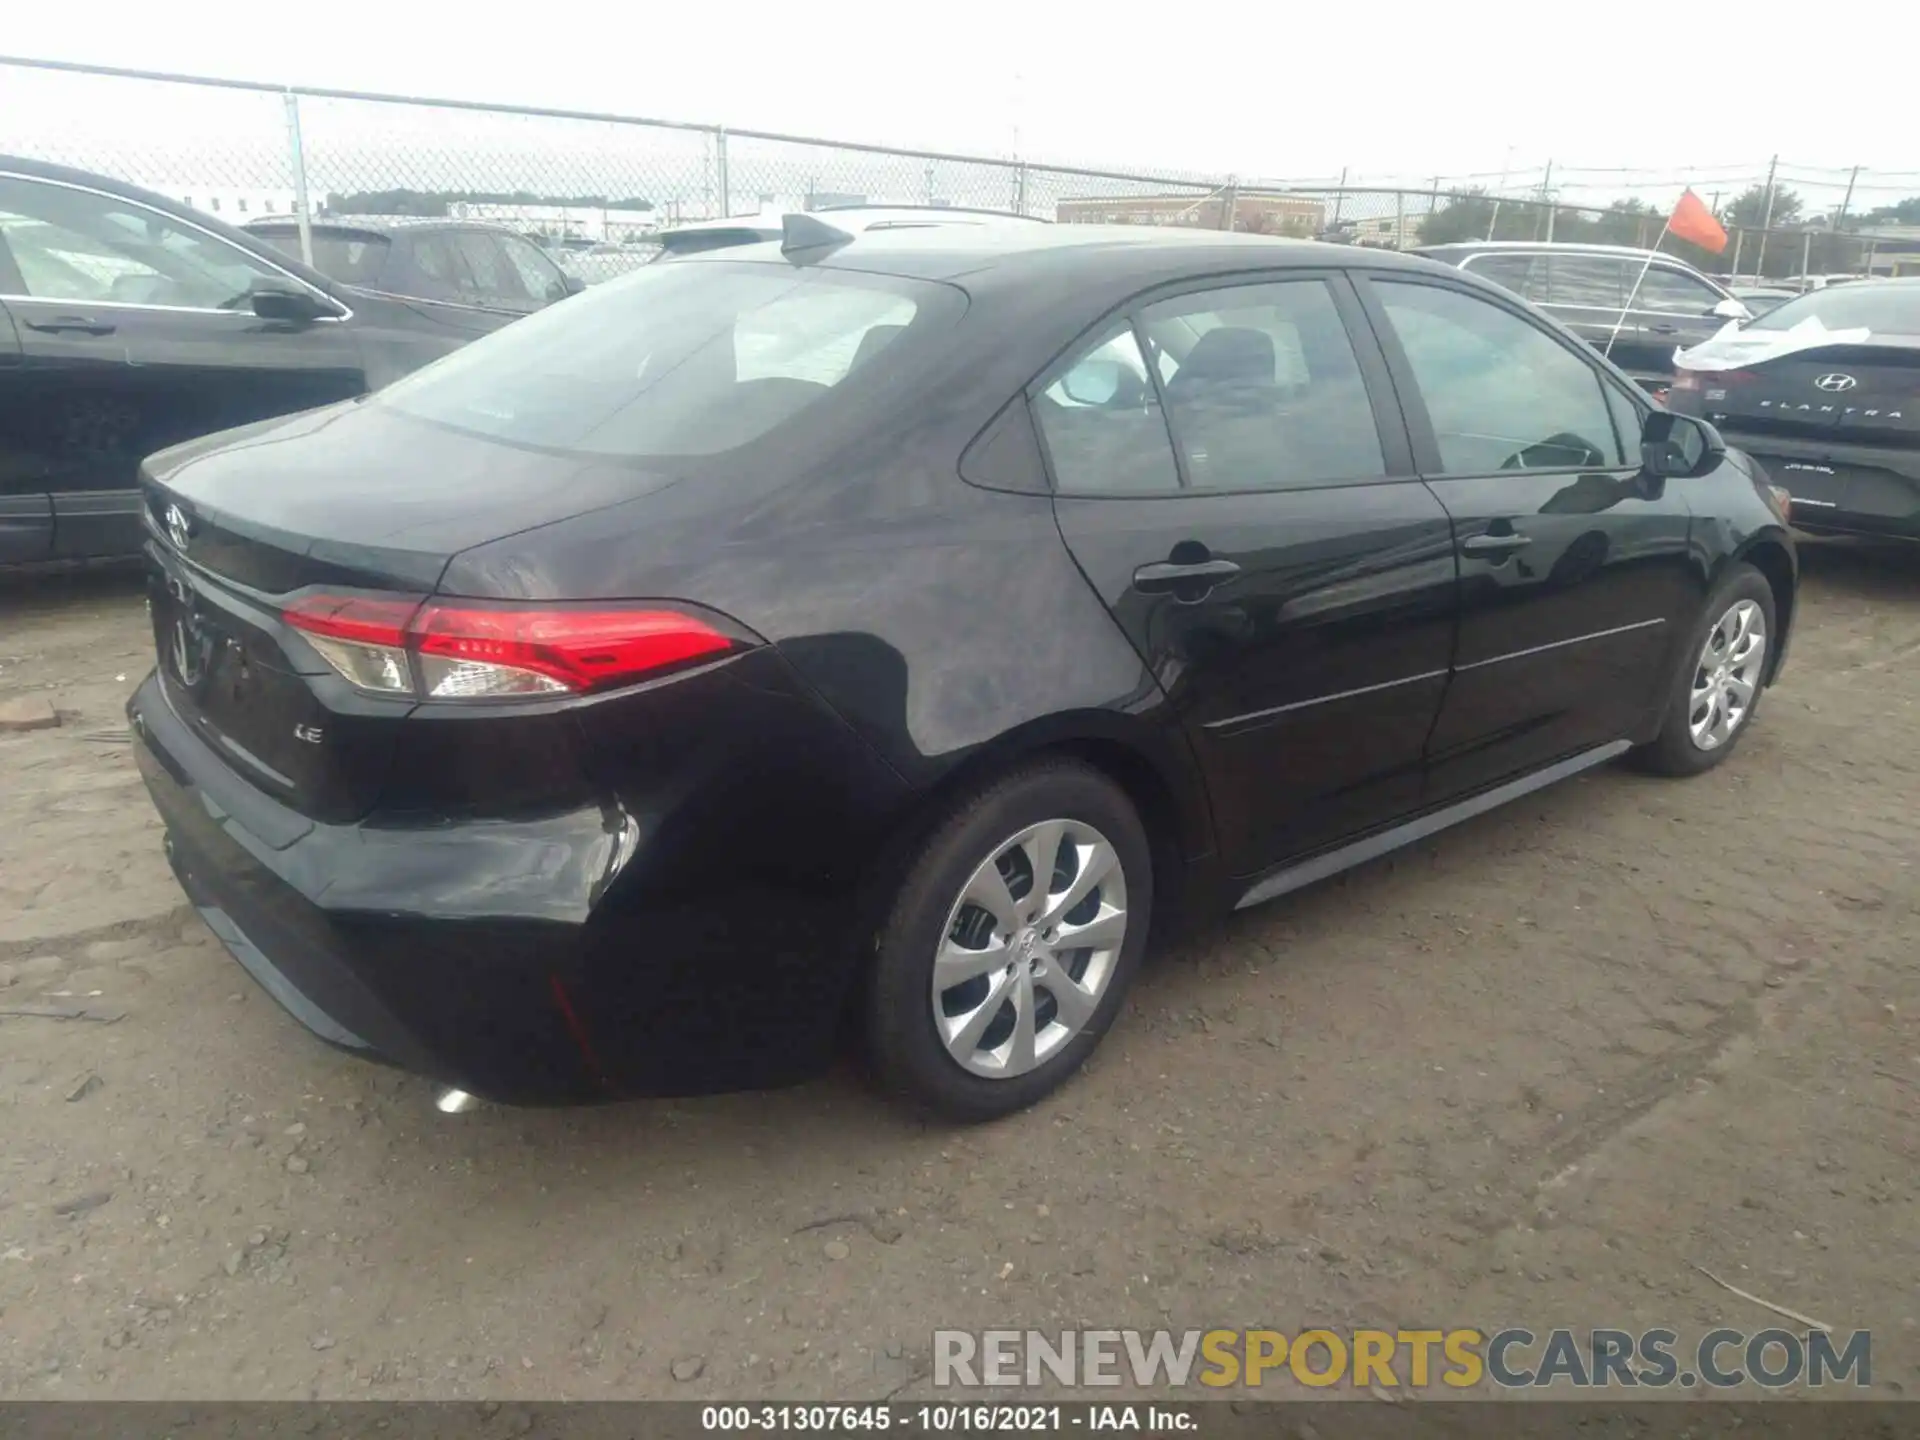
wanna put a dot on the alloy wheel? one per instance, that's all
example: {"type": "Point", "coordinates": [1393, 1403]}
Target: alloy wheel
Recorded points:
{"type": "Point", "coordinates": [1726, 679]}
{"type": "Point", "coordinates": [1029, 948]}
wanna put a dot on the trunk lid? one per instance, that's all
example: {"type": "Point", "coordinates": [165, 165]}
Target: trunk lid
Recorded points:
{"type": "Point", "coordinates": [1857, 394]}
{"type": "Point", "coordinates": [341, 500]}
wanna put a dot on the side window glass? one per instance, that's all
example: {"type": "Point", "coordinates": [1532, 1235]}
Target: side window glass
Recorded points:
{"type": "Point", "coordinates": [446, 277]}
{"type": "Point", "coordinates": [1264, 389]}
{"type": "Point", "coordinates": [493, 277]}
{"type": "Point", "coordinates": [1502, 393]}
{"type": "Point", "coordinates": [77, 245]}
{"type": "Point", "coordinates": [539, 276]}
{"type": "Point", "coordinates": [1593, 280]}
{"type": "Point", "coordinates": [1627, 420]}
{"type": "Point", "coordinates": [1102, 424]}
{"type": "Point", "coordinates": [1671, 292]}
{"type": "Point", "coordinates": [1511, 272]}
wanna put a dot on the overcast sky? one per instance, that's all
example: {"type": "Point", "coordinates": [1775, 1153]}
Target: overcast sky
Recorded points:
{"type": "Point", "coordinates": [1390, 90]}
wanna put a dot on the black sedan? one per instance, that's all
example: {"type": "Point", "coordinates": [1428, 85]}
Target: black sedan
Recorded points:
{"type": "Point", "coordinates": [900, 630]}
{"type": "Point", "coordinates": [129, 323]}
{"type": "Point", "coordinates": [1825, 392]}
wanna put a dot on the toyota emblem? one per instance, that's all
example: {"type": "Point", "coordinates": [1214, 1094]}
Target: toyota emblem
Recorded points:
{"type": "Point", "coordinates": [1835, 382]}
{"type": "Point", "coordinates": [179, 528]}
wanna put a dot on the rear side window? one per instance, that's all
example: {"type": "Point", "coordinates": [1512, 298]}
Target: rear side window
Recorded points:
{"type": "Point", "coordinates": [678, 359]}
{"type": "Point", "coordinates": [350, 259]}
{"type": "Point", "coordinates": [1263, 390]}
{"type": "Point", "coordinates": [1102, 424]}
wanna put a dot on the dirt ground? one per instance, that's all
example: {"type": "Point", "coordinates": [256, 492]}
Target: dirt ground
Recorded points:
{"type": "Point", "coordinates": [1534, 1071]}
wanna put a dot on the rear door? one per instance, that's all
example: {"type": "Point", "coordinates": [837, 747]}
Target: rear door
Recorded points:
{"type": "Point", "coordinates": [135, 333]}
{"type": "Point", "coordinates": [1233, 477]}
{"type": "Point", "coordinates": [1576, 578]}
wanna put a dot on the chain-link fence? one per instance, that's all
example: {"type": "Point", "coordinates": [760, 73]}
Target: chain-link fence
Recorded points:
{"type": "Point", "coordinates": [596, 187]}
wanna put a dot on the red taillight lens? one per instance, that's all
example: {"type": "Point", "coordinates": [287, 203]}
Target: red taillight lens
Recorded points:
{"type": "Point", "coordinates": [462, 649]}
{"type": "Point", "coordinates": [442, 650]}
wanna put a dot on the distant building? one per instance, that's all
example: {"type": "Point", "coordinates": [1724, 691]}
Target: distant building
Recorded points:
{"type": "Point", "coordinates": [1267, 214]}
{"type": "Point", "coordinates": [1892, 250]}
{"type": "Point", "coordinates": [1396, 232]}
{"type": "Point", "coordinates": [234, 206]}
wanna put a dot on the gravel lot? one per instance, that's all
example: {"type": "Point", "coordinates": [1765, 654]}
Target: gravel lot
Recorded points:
{"type": "Point", "coordinates": [1533, 1071]}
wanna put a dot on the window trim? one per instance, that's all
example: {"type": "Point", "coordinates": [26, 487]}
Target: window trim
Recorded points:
{"type": "Point", "coordinates": [1426, 445]}
{"type": "Point", "coordinates": [186, 224]}
{"type": "Point", "coordinates": [1399, 456]}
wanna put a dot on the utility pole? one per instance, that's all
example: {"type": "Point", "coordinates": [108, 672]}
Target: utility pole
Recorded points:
{"type": "Point", "coordinates": [1546, 198]}
{"type": "Point", "coordinates": [1841, 213]}
{"type": "Point", "coordinates": [1340, 197]}
{"type": "Point", "coordinates": [1766, 221]}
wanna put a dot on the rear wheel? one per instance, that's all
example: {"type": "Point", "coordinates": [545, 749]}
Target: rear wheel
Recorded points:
{"type": "Point", "coordinates": [1011, 943]}
{"type": "Point", "coordinates": [1722, 671]}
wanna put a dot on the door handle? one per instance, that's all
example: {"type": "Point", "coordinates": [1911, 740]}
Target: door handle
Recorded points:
{"type": "Point", "coordinates": [1493, 544]}
{"type": "Point", "coordinates": [1176, 575]}
{"type": "Point", "coordinates": [1664, 329]}
{"type": "Point", "coordinates": [76, 324]}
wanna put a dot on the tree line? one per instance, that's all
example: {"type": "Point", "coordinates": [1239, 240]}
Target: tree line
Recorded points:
{"type": "Point", "coordinates": [1477, 215]}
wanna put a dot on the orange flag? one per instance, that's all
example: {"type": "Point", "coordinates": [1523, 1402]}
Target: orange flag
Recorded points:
{"type": "Point", "coordinates": [1691, 220]}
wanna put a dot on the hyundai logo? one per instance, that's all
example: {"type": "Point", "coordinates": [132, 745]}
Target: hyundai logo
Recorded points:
{"type": "Point", "coordinates": [1835, 382]}
{"type": "Point", "coordinates": [179, 528]}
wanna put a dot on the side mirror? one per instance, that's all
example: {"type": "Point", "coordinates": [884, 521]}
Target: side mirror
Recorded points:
{"type": "Point", "coordinates": [283, 300]}
{"type": "Point", "coordinates": [1093, 382]}
{"type": "Point", "coordinates": [1676, 447]}
{"type": "Point", "coordinates": [1731, 309]}
{"type": "Point", "coordinates": [570, 285]}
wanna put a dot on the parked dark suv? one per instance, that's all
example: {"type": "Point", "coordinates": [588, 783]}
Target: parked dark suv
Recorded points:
{"type": "Point", "coordinates": [1586, 288]}
{"type": "Point", "coordinates": [888, 627]}
{"type": "Point", "coordinates": [487, 268]}
{"type": "Point", "coordinates": [129, 323]}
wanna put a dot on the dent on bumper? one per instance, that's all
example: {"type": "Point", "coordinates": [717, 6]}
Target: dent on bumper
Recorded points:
{"type": "Point", "coordinates": [497, 955]}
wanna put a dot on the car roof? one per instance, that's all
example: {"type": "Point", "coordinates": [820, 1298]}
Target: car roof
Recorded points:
{"type": "Point", "coordinates": [1552, 247]}
{"type": "Point", "coordinates": [212, 224]}
{"type": "Point", "coordinates": [992, 254]}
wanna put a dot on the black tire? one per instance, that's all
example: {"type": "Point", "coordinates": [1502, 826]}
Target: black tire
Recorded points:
{"type": "Point", "coordinates": [1673, 751]}
{"type": "Point", "coordinates": [909, 1055]}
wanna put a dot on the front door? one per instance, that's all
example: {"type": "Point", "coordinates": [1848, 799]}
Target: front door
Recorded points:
{"type": "Point", "coordinates": [1234, 479]}
{"type": "Point", "coordinates": [136, 333]}
{"type": "Point", "coordinates": [1576, 580]}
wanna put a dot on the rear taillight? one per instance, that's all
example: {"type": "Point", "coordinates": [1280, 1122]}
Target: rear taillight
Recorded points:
{"type": "Point", "coordinates": [457, 650]}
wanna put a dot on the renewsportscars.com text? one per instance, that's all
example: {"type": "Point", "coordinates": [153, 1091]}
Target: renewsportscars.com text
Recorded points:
{"type": "Point", "coordinates": [1460, 1359]}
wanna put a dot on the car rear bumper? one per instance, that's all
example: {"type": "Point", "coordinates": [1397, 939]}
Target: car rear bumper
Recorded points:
{"type": "Point", "coordinates": [1840, 488]}
{"type": "Point", "coordinates": [482, 954]}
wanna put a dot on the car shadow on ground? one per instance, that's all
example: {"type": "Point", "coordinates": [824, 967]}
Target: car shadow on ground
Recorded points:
{"type": "Point", "coordinates": [1864, 569]}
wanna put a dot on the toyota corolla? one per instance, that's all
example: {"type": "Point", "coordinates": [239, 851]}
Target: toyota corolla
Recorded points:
{"type": "Point", "coordinates": [877, 639]}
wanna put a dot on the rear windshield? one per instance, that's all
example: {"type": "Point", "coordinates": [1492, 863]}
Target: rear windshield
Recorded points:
{"type": "Point", "coordinates": [350, 259]}
{"type": "Point", "coordinates": [1887, 308]}
{"type": "Point", "coordinates": [691, 359]}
